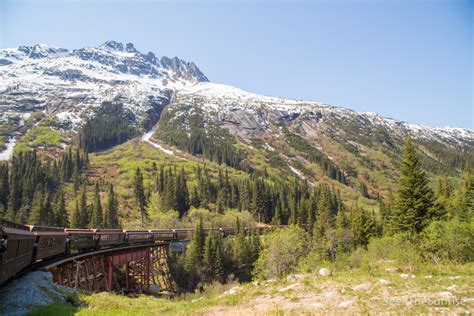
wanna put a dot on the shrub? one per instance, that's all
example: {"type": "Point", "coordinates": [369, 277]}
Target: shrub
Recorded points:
{"type": "Point", "coordinates": [282, 252]}
{"type": "Point", "coordinates": [399, 248]}
{"type": "Point", "coordinates": [452, 240]}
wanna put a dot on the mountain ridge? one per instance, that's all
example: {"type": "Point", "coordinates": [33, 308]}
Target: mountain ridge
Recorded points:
{"type": "Point", "coordinates": [307, 138]}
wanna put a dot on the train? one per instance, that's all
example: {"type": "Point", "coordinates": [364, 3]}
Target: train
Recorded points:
{"type": "Point", "coordinates": [22, 246]}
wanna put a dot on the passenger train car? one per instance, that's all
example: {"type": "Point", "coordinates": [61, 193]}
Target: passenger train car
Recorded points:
{"type": "Point", "coordinates": [16, 248]}
{"type": "Point", "coordinates": [22, 245]}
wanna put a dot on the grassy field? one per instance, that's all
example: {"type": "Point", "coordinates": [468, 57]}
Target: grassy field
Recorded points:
{"type": "Point", "coordinates": [433, 290]}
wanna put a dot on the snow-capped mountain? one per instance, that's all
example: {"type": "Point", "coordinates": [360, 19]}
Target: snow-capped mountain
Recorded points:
{"type": "Point", "coordinates": [71, 84]}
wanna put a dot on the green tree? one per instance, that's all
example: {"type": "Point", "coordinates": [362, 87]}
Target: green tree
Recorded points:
{"type": "Point", "coordinates": [140, 197]}
{"type": "Point", "coordinates": [413, 207]}
{"type": "Point", "coordinates": [59, 209]}
{"type": "Point", "coordinates": [96, 214]}
{"type": "Point", "coordinates": [83, 211]}
{"type": "Point", "coordinates": [111, 218]}
{"type": "Point", "coordinates": [465, 209]}
{"type": "Point", "coordinates": [283, 250]}
{"type": "Point", "coordinates": [37, 209]}
{"type": "Point", "coordinates": [76, 218]}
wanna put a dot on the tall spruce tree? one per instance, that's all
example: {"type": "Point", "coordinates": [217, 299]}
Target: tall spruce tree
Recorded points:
{"type": "Point", "coordinates": [413, 207]}
{"type": "Point", "coordinates": [37, 209]}
{"type": "Point", "coordinates": [83, 209]}
{"type": "Point", "coordinates": [111, 218]}
{"type": "Point", "coordinates": [96, 213]}
{"type": "Point", "coordinates": [140, 198]}
{"type": "Point", "coordinates": [465, 209]}
{"type": "Point", "coordinates": [76, 218]}
{"type": "Point", "coordinates": [59, 209]}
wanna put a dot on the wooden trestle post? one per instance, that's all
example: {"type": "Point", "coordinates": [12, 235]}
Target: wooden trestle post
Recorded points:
{"type": "Point", "coordinates": [143, 266]}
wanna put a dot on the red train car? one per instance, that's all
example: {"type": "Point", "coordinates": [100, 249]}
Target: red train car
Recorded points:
{"type": "Point", "coordinates": [109, 237]}
{"type": "Point", "coordinates": [16, 249]}
{"type": "Point", "coordinates": [49, 241]}
{"type": "Point", "coordinates": [138, 236]}
{"type": "Point", "coordinates": [162, 234]}
{"type": "Point", "coordinates": [80, 239]}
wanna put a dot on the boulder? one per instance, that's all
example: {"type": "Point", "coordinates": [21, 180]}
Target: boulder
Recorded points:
{"type": "Point", "coordinates": [364, 287]}
{"type": "Point", "coordinates": [296, 277]}
{"type": "Point", "coordinates": [325, 272]}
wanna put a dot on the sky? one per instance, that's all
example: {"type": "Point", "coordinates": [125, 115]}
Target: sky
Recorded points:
{"type": "Point", "coordinates": [409, 60]}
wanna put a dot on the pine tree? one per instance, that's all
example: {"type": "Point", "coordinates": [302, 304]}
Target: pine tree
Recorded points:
{"type": "Point", "coordinates": [414, 203]}
{"type": "Point", "coordinates": [76, 218]}
{"type": "Point", "coordinates": [111, 220]}
{"type": "Point", "coordinates": [218, 265]}
{"type": "Point", "coordinates": [37, 209]}
{"type": "Point", "coordinates": [140, 198]}
{"type": "Point", "coordinates": [194, 256]}
{"type": "Point", "coordinates": [83, 211]}
{"type": "Point", "coordinates": [59, 209]}
{"type": "Point", "coordinates": [182, 194]}
{"type": "Point", "coordinates": [465, 208]}
{"type": "Point", "coordinates": [342, 243]}
{"type": "Point", "coordinates": [96, 214]}
{"type": "Point", "coordinates": [276, 220]}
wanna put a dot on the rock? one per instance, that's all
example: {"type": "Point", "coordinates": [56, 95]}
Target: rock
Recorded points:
{"type": "Point", "coordinates": [412, 276]}
{"type": "Point", "coordinates": [346, 304]}
{"type": "Point", "coordinates": [256, 283]}
{"type": "Point", "coordinates": [32, 289]}
{"type": "Point", "coordinates": [452, 287]}
{"type": "Point", "coordinates": [329, 294]}
{"type": "Point", "coordinates": [317, 305]}
{"type": "Point", "coordinates": [428, 277]}
{"type": "Point", "coordinates": [364, 287]}
{"type": "Point", "coordinates": [289, 287]}
{"type": "Point", "coordinates": [296, 277]}
{"type": "Point", "coordinates": [232, 291]}
{"type": "Point", "coordinates": [383, 281]}
{"type": "Point", "coordinates": [445, 294]}
{"type": "Point", "coordinates": [455, 277]}
{"type": "Point", "coordinates": [325, 272]}
{"type": "Point", "coordinates": [404, 276]}
{"type": "Point", "coordinates": [391, 269]}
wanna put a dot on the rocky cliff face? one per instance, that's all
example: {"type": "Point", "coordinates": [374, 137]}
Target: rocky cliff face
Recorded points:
{"type": "Point", "coordinates": [70, 85]}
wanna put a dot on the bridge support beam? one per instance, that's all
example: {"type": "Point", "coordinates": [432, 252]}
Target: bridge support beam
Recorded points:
{"type": "Point", "coordinates": [88, 274]}
{"type": "Point", "coordinates": [140, 270]}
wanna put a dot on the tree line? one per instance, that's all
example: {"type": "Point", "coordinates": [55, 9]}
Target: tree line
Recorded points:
{"type": "Point", "coordinates": [211, 257]}
{"type": "Point", "coordinates": [32, 187]}
{"type": "Point", "coordinates": [109, 127]}
{"type": "Point", "coordinates": [295, 202]}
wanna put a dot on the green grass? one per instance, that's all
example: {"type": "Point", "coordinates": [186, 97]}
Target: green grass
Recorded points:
{"type": "Point", "coordinates": [39, 135]}
{"type": "Point", "coordinates": [312, 288]}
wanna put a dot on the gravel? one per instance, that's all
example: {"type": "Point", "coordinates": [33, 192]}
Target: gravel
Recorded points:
{"type": "Point", "coordinates": [33, 289]}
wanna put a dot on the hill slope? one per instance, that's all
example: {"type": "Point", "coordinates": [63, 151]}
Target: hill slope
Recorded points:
{"type": "Point", "coordinates": [47, 94]}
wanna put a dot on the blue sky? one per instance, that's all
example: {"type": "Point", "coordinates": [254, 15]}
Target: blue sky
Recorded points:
{"type": "Point", "coordinates": [410, 60]}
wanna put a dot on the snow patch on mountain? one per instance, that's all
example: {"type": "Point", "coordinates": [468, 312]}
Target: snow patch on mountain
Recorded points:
{"type": "Point", "coordinates": [71, 84]}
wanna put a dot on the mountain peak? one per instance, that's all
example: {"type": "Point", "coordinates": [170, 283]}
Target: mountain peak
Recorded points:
{"type": "Point", "coordinates": [118, 46]}
{"type": "Point", "coordinates": [112, 45]}
{"type": "Point", "coordinates": [42, 51]}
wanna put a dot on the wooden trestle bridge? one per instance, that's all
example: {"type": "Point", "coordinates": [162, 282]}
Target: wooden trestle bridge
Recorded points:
{"type": "Point", "coordinates": [138, 269]}
{"type": "Point", "coordinates": [95, 259]}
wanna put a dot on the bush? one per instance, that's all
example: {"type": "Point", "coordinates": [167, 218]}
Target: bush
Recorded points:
{"type": "Point", "coordinates": [399, 248]}
{"type": "Point", "coordinates": [282, 252]}
{"type": "Point", "coordinates": [452, 240]}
